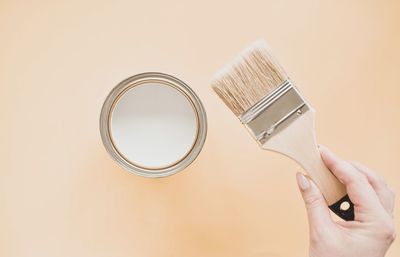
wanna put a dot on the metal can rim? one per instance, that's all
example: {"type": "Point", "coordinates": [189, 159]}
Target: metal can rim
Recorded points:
{"type": "Point", "coordinates": [164, 78]}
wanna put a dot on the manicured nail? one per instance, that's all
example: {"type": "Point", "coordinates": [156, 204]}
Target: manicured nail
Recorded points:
{"type": "Point", "coordinates": [302, 181]}
{"type": "Point", "coordinates": [325, 151]}
{"type": "Point", "coordinates": [322, 147]}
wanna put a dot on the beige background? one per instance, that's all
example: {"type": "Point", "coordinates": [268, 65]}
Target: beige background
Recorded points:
{"type": "Point", "coordinates": [62, 195]}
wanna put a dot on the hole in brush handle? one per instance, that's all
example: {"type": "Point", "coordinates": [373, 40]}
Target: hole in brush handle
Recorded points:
{"type": "Point", "coordinates": [344, 208]}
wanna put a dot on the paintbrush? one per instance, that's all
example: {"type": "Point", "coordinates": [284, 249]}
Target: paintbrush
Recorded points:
{"type": "Point", "coordinates": [258, 91]}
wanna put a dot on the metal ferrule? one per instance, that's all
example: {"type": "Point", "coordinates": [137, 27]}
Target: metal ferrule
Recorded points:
{"type": "Point", "coordinates": [274, 112]}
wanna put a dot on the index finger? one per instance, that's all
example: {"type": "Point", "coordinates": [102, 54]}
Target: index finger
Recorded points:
{"type": "Point", "coordinates": [363, 196]}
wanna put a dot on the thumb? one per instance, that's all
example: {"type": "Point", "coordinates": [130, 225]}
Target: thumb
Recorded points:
{"type": "Point", "coordinates": [317, 209]}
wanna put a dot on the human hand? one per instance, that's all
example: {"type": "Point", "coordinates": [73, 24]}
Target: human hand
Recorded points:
{"type": "Point", "coordinates": [372, 231]}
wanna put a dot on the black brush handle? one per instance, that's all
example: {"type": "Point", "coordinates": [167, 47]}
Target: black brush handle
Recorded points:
{"type": "Point", "coordinates": [344, 208]}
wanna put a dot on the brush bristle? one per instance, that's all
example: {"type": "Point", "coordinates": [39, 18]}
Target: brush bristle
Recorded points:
{"type": "Point", "coordinates": [251, 76]}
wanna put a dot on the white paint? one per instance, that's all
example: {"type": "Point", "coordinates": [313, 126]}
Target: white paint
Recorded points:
{"type": "Point", "coordinates": [153, 125]}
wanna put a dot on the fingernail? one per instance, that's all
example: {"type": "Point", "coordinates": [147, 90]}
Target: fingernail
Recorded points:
{"type": "Point", "coordinates": [302, 181]}
{"type": "Point", "coordinates": [326, 151]}
{"type": "Point", "coordinates": [322, 147]}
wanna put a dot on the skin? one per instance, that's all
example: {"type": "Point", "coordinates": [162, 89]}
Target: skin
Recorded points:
{"type": "Point", "coordinates": [373, 230]}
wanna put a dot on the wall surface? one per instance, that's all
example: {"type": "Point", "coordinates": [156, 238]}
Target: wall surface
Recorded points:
{"type": "Point", "coordinates": [62, 195]}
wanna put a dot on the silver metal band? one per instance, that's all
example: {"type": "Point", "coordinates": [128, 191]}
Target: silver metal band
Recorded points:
{"type": "Point", "coordinates": [274, 112]}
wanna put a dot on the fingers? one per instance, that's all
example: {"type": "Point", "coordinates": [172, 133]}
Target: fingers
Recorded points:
{"type": "Point", "coordinates": [385, 194]}
{"type": "Point", "coordinates": [365, 200]}
{"type": "Point", "coordinates": [317, 210]}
